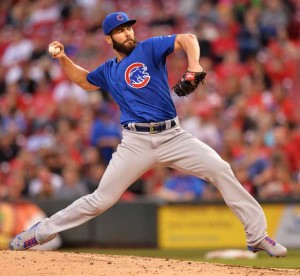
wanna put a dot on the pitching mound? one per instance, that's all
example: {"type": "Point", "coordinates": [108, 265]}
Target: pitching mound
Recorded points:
{"type": "Point", "coordinates": [60, 263]}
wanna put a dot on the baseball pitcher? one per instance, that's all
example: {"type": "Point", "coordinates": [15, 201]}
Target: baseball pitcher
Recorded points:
{"type": "Point", "coordinates": [138, 81]}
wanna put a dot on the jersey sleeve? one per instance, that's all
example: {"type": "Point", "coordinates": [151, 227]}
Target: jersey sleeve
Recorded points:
{"type": "Point", "coordinates": [97, 77]}
{"type": "Point", "coordinates": [161, 46]}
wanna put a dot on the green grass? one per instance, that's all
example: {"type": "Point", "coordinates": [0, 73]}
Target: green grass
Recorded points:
{"type": "Point", "coordinates": [262, 260]}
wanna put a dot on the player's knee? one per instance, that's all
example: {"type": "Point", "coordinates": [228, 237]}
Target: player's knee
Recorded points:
{"type": "Point", "coordinates": [220, 167]}
{"type": "Point", "coordinates": [223, 166]}
{"type": "Point", "coordinates": [100, 204]}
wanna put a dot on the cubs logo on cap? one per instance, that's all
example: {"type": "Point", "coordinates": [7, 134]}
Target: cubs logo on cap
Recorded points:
{"type": "Point", "coordinates": [114, 20]}
{"type": "Point", "coordinates": [120, 17]}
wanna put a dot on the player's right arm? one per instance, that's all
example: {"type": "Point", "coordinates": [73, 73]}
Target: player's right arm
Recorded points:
{"type": "Point", "coordinates": [73, 71]}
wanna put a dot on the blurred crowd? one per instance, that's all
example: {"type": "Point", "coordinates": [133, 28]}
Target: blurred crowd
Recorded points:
{"type": "Point", "coordinates": [56, 139]}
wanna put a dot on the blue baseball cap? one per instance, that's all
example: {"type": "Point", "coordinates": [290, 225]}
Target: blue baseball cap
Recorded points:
{"type": "Point", "coordinates": [114, 20]}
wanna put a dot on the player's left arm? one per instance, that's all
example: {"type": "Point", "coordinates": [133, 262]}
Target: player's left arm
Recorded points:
{"type": "Point", "coordinates": [195, 74]}
{"type": "Point", "coordinates": [190, 45]}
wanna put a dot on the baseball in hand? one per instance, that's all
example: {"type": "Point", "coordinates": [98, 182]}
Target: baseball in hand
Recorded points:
{"type": "Point", "coordinates": [53, 50]}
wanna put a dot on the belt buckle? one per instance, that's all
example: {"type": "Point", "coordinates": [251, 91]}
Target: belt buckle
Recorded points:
{"type": "Point", "coordinates": [152, 128]}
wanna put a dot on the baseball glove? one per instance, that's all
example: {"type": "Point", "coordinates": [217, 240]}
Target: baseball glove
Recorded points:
{"type": "Point", "coordinates": [188, 83]}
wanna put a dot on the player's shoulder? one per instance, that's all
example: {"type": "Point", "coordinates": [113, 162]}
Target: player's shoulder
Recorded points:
{"type": "Point", "coordinates": [159, 38]}
{"type": "Point", "coordinates": [157, 41]}
{"type": "Point", "coordinates": [105, 65]}
{"type": "Point", "coordinates": [109, 62]}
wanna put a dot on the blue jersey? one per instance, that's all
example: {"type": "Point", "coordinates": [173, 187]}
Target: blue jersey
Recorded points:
{"type": "Point", "coordinates": [139, 82]}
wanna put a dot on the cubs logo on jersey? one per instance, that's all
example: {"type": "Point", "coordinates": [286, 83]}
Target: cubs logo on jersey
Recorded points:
{"type": "Point", "coordinates": [136, 75]}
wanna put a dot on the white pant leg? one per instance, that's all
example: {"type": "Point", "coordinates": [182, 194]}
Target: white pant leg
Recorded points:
{"type": "Point", "coordinates": [132, 159]}
{"type": "Point", "coordinates": [191, 156]}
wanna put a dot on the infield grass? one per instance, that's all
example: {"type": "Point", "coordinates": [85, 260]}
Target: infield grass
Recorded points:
{"type": "Point", "coordinates": [292, 260]}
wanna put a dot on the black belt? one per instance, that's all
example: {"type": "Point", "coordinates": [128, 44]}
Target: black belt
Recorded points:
{"type": "Point", "coordinates": [151, 127]}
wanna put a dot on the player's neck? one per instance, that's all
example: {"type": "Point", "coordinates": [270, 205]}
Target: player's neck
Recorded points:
{"type": "Point", "coordinates": [120, 56]}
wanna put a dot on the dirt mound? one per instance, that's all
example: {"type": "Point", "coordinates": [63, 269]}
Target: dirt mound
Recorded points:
{"type": "Point", "coordinates": [60, 263]}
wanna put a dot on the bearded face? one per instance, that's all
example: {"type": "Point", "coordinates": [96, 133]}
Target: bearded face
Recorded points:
{"type": "Point", "coordinates": [125, 47]}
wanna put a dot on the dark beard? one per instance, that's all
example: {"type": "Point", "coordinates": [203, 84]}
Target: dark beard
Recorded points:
{"type": "Point", "coordinates": [121, 48]}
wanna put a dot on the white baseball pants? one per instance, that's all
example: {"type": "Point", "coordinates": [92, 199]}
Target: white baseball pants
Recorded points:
{"type": "Point", "coordinates": [139, 152]}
